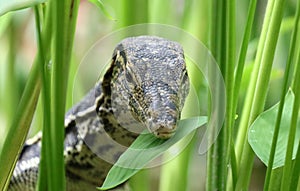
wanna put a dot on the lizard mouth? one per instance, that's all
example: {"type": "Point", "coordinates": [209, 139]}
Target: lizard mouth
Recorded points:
{"type": "Point", "coordinates": [164, 134]}
{"type": "Point", "coordinates": [162, 129]}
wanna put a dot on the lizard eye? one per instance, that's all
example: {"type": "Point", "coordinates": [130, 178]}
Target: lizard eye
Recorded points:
{"type": "Point", "coordinates": [184, 76]}
{"type": "Point", "coordinates": [130, 76]}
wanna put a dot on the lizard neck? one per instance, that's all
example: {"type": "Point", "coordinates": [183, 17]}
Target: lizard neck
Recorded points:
{"type": "Point", "coordinates": [117, 121]}
{"type": "Point", "coordinates": [97, 128]}
{"type": "Point", "coordinates": [93, 121]}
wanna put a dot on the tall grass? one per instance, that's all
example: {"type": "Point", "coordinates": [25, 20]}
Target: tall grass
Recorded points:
{"type": "Point", "coordinates": [230, 160]}
{"type": "Point", "coordinates": [59, 24]}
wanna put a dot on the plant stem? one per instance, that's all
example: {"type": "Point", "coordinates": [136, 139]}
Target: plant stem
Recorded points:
{"type": "Point", "coordinates": [12, 99]}
{"type": "Point", "coordinates": [243, 127]}
{"type": "Point", "coordinates": [140, 181]}
{"type": "Point", "coordinates": [43, 182]}
{"type": "Point", "coordinates": [64, 15]}
{"type": "Point", "coordinates": [56, 179]}
{"type": "Point", "coordinates": [296, 171]}
{"type": "Point", "coordinates": [237, 83]}
{"type": "Point", "coordinates": [287, 169]}
{"type": "Point", "coordinates": [281, 104]}
{"type": "Point", "coordinates": [258, 88]}
{"type": "Point", "coordinates": [19, 129]}
{"type": "Point", "coordinates": [160, 11]}
{"type": "Point", "coordinates": [217, 152]}
{"type": "Point", "coordinates": [133, 12]}
{"type": "Point", "coordinates": [174, 174]}
{"type": "Point", "coordinates": [229, 81]}
{"type": "Point", "coordinates": [243, 52]}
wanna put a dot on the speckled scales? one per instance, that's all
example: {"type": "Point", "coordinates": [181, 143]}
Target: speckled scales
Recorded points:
{"type": "Point", "coordinates": [145, 87]}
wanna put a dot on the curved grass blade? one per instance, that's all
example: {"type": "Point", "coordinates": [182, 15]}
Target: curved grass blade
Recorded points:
{"type": "Point", "coordinates": [262, 130]}
{"type": "Point", "coordinates": [146, 148]}
{"type": "Point", "coordinates": [100, 4]}
{"type": "Point", "coordinates": [13, 5]}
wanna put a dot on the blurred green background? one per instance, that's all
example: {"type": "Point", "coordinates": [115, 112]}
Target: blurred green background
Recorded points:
{"type": "Point", "coordinates": [18, 49]}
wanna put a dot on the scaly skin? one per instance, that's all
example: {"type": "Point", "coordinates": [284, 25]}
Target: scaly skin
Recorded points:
{"type": "Point", "coordinates": [145, 86]}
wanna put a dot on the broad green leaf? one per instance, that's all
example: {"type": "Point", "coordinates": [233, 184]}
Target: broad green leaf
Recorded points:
{"type": "Point", "coordinates": [261, 133]}
{"type": "Point", "coordinates": [144, 149]}
{"type": "Point", "coordinates": [13, 5]}
{"type": "Point", "coordinates": [100, 4]}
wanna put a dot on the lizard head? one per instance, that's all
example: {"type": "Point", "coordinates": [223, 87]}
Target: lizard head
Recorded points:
{"type": "Point", "coordinates": [148, 74]}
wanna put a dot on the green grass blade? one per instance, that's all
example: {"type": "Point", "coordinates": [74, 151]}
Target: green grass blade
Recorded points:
{"type": "Point", "coordinates": [140, 181]}
{"type": "Point", "coordinates": [19, 129]}
{"type": "Point", "coordinates": [287, 73]}
{"type": "Point", "coordinates": [258, 88]}
{"type": "Point", "coordinates": [296, 170]}
{"type": "Point", "coordinates": [42, 40]}
{"type": "Point", "coordinates": [13, 5]}
{"type": "Point", "coordinates": [12, 86]}
{"type": "Point", "coordinates": [243, 52]}
{"type": "Point", "coordinates": [175, 173]}
{"type": "Point", "coordinates": [144, 149]}
{"type": "Point", "coordinates": [243, 127]}
{"type": "Point", "coordinates": [55, 168]}
{"type": "Point", "coordinates": [101, 6]}
{"type": "Point", "coordinates": [275, 180]}
{"type": "Point", "coordinates": [160, 11]}
{"type": "Point", "coordinates": [237, 84]}
{"type": "Point", "coordinates": [217, 41]}
{"type": "Point", "coordinates": [287, 170]}
{"type": "Point", "coordinates": [133, 12]}
{"type": "Point", "coordinates": [229, 81]}
{"type": "Point", "coordinates": [64, 15]}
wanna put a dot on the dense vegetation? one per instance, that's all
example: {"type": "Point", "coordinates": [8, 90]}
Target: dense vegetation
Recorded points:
{"type": "Point", "coordinates": [255, 45]}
